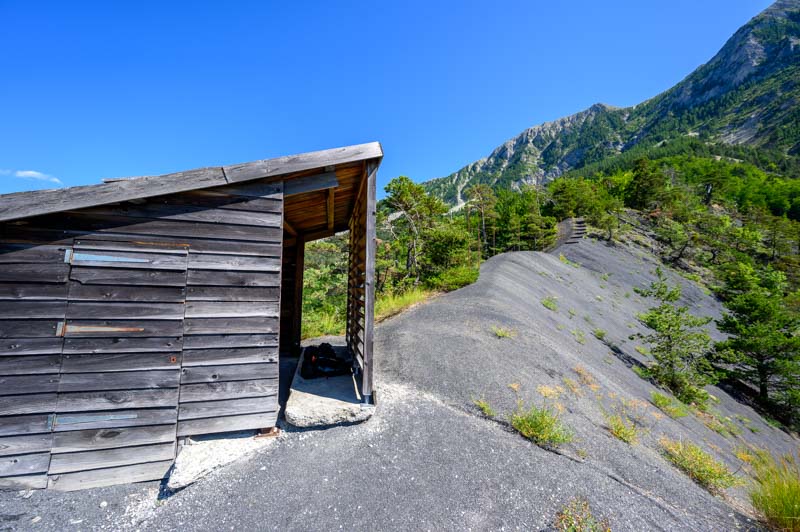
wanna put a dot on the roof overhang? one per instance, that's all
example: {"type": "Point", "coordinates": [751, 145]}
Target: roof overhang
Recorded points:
{"type": "Point", "coordinates": [39, 202]}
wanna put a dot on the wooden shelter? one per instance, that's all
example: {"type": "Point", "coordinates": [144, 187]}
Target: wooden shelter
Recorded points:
{"type": "Point", "coordinates": [139, 311]}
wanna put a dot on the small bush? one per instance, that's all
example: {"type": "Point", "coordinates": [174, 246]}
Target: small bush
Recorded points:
{"type": "Point", "coordinates": [586, 378]}
{"type": "Point", "coordinates": [600, 334]}
{"type": "Point", "coordinates": [669, 406]}
{"type": "Point", "coordinates": [502, 332]}
{"type": "Point", "coordinates": [715, 421]}
{"type": "Point", "coordinates": [776, 491]}
{"type": "Point", "coordinates": [642, 350]}
{"type": "Point", "coordinates": [622, 428]}
{"type": "Point", "coordinates": [541, 425]}
{"type": "Point", "coordinates": [550, 303]}
{"type": "Point", "coordinates": [453, 278]}
{"type": "Point", "coordinates": [579, 335]}
{"type": "Point", "coordinates": [565, 260]}
{"type": "Point", "coordinates": [577, 516]}
{"type": "Point", "coordinates": [699, 465]}
{"type": "Point", "coordinates": [641, 371]}
{"type": "Point", "coordinates": [485, 407]}
{"type": "Point", "coordinates": [572, 313]}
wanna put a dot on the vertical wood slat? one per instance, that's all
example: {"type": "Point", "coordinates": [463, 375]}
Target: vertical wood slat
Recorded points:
{"type": "Point", "coordinates": [369, 282]}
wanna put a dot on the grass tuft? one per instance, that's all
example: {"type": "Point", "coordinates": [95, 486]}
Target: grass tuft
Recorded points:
{"type": "Point", "coordinates": [579, 335]}
{"type": "Point", "coordinates": [541, 425]}
{"type": "Point", "coordinates": [669, 406]}
{"type": "Point", "coordinates": [550, 303]}
{"type": "Point", "coordinates": [388, 305]}
{"type": "Point", "coordinates": [600, 334]}
{"type": "Point", "coordinates": [485, 407]}
{"type": "Point", "coordinates": [502, 332]}
{"type": "Point", "coordinates": [622, 428]}
{"type": "Point", "coordinates": [699, 465]}
{"type": "Point", "coordinates": [577, 516]}
{"type": "Point", "coordinates": [776, 491]}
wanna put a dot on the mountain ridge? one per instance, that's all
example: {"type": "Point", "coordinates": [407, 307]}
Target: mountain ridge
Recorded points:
{"type": "Point", "coordinates": [747, 94]}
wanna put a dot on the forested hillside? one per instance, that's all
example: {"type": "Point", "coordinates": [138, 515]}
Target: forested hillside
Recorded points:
{"type": "Point", "coordinates": [746, 96]}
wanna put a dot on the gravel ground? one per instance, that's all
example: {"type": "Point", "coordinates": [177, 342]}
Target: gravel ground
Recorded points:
{"type": "Point", "coordinates": [428, 460]}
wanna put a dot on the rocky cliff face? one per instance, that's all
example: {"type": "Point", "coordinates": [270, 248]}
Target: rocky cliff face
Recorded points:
{"type": "Point", "coordinates": [748, 93]}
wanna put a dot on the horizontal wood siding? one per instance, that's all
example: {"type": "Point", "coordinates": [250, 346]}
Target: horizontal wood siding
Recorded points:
{"type": "Point", "coordinates": [229, 370]}
{"type": "Point", "coordinates": [33, 302]}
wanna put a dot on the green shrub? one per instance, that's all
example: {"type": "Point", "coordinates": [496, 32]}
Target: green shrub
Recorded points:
{"type": "Point", "coordinates": [669, 406]}
{"type": "Point", "coordinates": [776, 491]}
{"type": "Point", "coordinates": [485, 407]}
{"type": "Point", "coordinates": [699, 465]}
{"type": "Point", "coordinates": [550, 303]}
{"type": "Point", "coordinates": [502, 332]}
{"type": "Point", "coordinates": [579, 335]}
{"type": "Point", "coordinates": [641, 371]}
{"type": "Point", "coordinates": [577, 516]}
{"type": "Point", "coordinates": [541, 425]}
{"type": "Point", "coordinates": [622, 428]}
{"type": "Point", "coordinates": [453, 278]}
{"type": "Point", "coordinates": [600, 334]}
{"type": "Point", "coordinates": [387, 305]}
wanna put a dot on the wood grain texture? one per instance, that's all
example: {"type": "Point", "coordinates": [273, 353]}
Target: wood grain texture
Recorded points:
{"type": "Point", "coordinates": [188, 213]}
{"type": "Point", "coordinates": [82, 421]}
{"type": "Point", "coordinates": [105, 258]}
{"type": "Point", "coordinates": [305, 161]}
{"type": "Point", "coordinates": [232, 293]}
{"type": "Point", "coordinates": [113, 310]}
{"type": "Point", "coordinates": [213, 391]}
{"type": "Point", "coordinates": [127, 277]}
{"type": "Point", "coordinates": [25, 464]}
{"type": "Point", "coordinates": [29, 364]}
{"type": "Point", "coordinates": [241, 355]}
{"type": "Point", "coordinates": [15, 291]}
{"type": "Point", "coordinates": [228, 278]}
{"type": "Point", "coordinates": [122, 380]}
{"type": "Point", "coordinates": [110, 476]}
{"type": "Point", "coordinates": [30, 346]}
{"type": "Point", "coordinates": [24, 482]}
{"type": "Point", "coordinates": [72, 462]}
{"type": "Point", "coordinates": [32, 403]}
{"type": "Point", "coordinates": [22, 384]}
{"type": "Point", "coordinates": [235, 372]}
{"type": "Point", "coordinates": [53, 272]}
{"type": "Point", "coordinates": [228, 309]}
{"type": "Point", "coordinates": [29, 443]}
{"type": "Point", "coordinates": [26, 204]}
{"type": "Point", "coordinates": [88, 440]}
{"type": "Point", "coordinates": [119, 328]}
{"type": "Point", "coordinates": [33, 328]}
{"type": "Point", "coordinates": [31, 424]}
{"type": "Point", "coordinates": [32, 309]}
{"type": "Point", "coordinates": [116, 399]}
{"type": "Point", "coordinates": [115, 293]}
{"type": "Point", "coordinates": [227, 424]}
{"type": "Point", "coordinates": [208, 261]}
{"type": "Point", "coordinates": [194, 326]}
{"type": "Point", "coordinates": [230, 340]}
{"type": "Point", "coordinates": [122, 345]}
{"type": "Point", "coordinates": [226, 407]}
{"type": "Point", "coordinates": [10, 253]}
{"type": "Point", "coordinates": [102, 362]}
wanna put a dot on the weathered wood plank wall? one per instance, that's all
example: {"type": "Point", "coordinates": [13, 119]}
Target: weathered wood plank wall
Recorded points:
{"type": "Point", "coordinates": [125, 326]}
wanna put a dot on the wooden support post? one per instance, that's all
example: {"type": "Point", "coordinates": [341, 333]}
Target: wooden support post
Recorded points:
{"type": "Point", "coordinates": [297, 318]}
{"type": "Point", "coordinates": [369, 282]}
{"type": "Point", "coordinates": [289, 229]}
{"type": "Point", "coordinates": [331, 204]}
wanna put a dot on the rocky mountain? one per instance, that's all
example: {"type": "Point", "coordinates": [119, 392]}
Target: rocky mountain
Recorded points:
{"type": "Point", "coordinates": [747, 94]}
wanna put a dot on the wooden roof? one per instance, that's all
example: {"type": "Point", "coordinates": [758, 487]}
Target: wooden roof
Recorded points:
{"type": "Point", "coordinates": [337, 161]}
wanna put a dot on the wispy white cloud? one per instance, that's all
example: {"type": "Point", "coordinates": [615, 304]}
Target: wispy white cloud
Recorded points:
{"type": "Point", "coordinates": [32, 175]}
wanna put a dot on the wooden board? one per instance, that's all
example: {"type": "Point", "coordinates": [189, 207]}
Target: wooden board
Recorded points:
{"type": "Point", "coordinates": [241, 372]}
{"type": "Point", "coordinates": [82, 421]}
{"type": "Point", "coordinates": [96, 478]}
{"type": "Point", "coordinates": [231, 309]}
{"type": "Point", "coordinates": [24, 464]}
{"type": "Point", "coordinates": [89, 440]}
{"type": "Point", "coordinates": [72, 462]}
{"type": "Point", "coordinates": [226, 424]}
{"type": "Point", "coordinates": [123, 345]}
{"type": "Point", "coordinates": [229, 390]}
{"type": "Point", "coordinates": [29, 443]}
{"type": "Point", "coordinates": [116, 399]}
{"type": "Point", "coordinates": [217, 326]}
{"type": "Point", "coordinates": [121, 380]}
{"type": "Point", "coordinates": [103, 362]}
{"type": "Point", "coordinates": [240, 355]}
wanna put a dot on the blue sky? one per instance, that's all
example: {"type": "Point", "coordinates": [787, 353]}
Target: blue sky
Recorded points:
{"type": "Point", "coordinates": [109, 89]}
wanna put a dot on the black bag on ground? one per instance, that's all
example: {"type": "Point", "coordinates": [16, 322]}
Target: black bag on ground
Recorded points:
{"type": "Point", "coordinates": [321, 361]}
